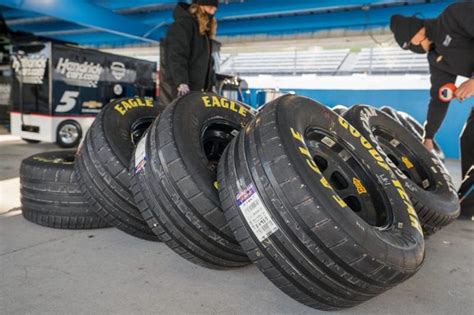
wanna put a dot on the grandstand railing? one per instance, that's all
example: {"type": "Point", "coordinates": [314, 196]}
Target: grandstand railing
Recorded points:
{"type": "Point", "coordinates": [332, 62]}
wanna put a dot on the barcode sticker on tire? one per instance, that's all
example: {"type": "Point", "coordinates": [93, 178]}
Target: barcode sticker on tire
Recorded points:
{"type": "Point", "coordinates": [140, 154]}
{"type": "Point", "coordinates": [328, 141]}
{"type": "Point", "coordinates": [255, 213]}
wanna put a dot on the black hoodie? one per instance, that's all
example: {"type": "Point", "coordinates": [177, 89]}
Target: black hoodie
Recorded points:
{"type": "Point", "coordinates": [185, 56]}
{"type": "Point", "coordinates": [452, 34]}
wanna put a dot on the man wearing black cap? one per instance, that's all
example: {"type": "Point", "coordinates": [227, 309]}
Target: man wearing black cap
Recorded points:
{"type": "Point", "coordinates": [449, 42]}
{"type": "Point", "coordinates": [186, 62]}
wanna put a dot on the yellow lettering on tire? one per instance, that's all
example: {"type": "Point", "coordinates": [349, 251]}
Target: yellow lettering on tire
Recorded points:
{"type": "Point", "coordinates": [224, 103]}
{"type": "Point", "coordinates": [215, 102]}
{"type": "Point", "coordinates": [124, 106]}
{"type": "Point", "coordinates": [206, 101]}
{"type": "Point", "coordinates": [310, 162]}
{"type": "Point", "coordinates": [120, 109]}
{"type": "Point", "coordinates": [296, 135]}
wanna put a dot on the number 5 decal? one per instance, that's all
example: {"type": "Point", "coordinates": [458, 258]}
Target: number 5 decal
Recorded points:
{"type": "Point", "coordinates": [68, 101]}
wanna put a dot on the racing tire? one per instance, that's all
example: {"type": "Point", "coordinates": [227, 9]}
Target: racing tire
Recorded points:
{"type": "Point", "coordinates": [50, 193]}
{"type": "Point", "coordinates": [417, 129]}
{"type": "Point", "coordinates": [174, 173]}
{"type": "Point", "coordinates": [423, 175]}
{"type": "Point", "coordinates": [297, 221]}
{"type": "Point", "coordinates": [392, 112]}
{"type": "Point", "coordinates": [340, 109]}
{"type": "Point", "coordinates": [103, 159]}
{"type": "Point", "coordinates": [410, 123]}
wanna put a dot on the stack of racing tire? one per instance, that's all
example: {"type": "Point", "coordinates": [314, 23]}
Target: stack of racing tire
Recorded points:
{"type": "Point", "coordinates": [332, 209]}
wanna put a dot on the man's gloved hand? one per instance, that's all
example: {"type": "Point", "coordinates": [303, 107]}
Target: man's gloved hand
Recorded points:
{"type": "Point", "coordinates": [465, 91]}
{"type": "Point", "coordinates": [183, 89]}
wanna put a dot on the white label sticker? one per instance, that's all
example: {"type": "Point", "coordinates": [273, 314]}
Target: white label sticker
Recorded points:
{"type": "Point", "coordinates": [345, 155]}
{"type": "Point", "coordinates": [328, 141]}
{"type": "Point", "coordinates": [140, 154]}
{"type": "Point", "coordinates": [394, 142]}
{"type": "Point", "coordinates": [425, 183]}
{"type": "Point", "coordinates": [255, 213]}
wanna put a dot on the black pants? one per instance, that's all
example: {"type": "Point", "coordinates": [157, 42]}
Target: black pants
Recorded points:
{"type": "Point", "coordinates": [467, 144]}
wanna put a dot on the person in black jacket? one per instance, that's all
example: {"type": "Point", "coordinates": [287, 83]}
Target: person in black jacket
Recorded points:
{"type": "Point", "coordinates": [186, 62]}
{"type": "Point", "coordinates": [449, 42]}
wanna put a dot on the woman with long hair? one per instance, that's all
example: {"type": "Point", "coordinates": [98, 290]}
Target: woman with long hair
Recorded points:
{"type": "Point", "coordinates": [186, 53]}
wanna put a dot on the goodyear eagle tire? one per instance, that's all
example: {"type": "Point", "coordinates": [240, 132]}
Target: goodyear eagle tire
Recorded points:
{"type": "Point", "coordinates": [103, 160]}
{"type": "Point", "coordinates": [392, 112]}
{"type": "Point", "coordinates": [417, 129]}
{"type": "Point", "coordinates": [325, 239]}
{"type": "Point", "coordinates": [174, 176]}
{"type": "Point", "coordinates": [50, 193]}
{"type": "Point", "coordinates": [410, 123]}
{"type": "Point", "coordinates": [423, 175]}
{"type": "Point", "coordinates": [339, 109]}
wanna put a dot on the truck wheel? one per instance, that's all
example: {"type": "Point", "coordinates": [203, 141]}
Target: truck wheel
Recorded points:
{"type": "Point", "coordinates": [68, 134]}
{"type": "Point", "coordinates": [50, 193]}
{"type": "Point", "coordinates": [103, 160]}
{"type": "Point", "coordinates": [174, 178]}
{"type": "Point", "coordinates": [318, 212]}
{"type": "Point", "coordinates": [423, 175]}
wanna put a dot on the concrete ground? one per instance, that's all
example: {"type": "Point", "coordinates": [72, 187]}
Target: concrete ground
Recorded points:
{"type": "Point", "coordinates": [45, 271]}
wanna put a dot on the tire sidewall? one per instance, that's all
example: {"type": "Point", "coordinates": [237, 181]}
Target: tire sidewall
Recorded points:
{"type": "Point", "coordinates": [52, 160]}
{"type": "Point", "coordinates": [190, 114]}
{"type": "Point", "coordinates": [298, 114]}
{"type": "Point", "coordinates": [117, 120]}
{"type": "Point", "coordinates": [364, 118]}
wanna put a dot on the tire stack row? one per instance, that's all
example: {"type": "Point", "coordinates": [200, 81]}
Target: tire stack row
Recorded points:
{"type": "Point", "coordinates": [332, 209]}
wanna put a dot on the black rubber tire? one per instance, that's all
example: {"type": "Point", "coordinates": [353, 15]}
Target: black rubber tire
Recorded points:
{"type": "Point", "coordinates": [50, 193]}
{"type": "Point", "coordinates": [175, 188]}
{"type": "Point", "coordinates": [340, 109]}
{"type": "Point", "coordinates": [437, 206]}
{"type": "Point", "coordinates": [417, 129]}
{"type": "Point", "coordinates": [321, 253]}
{"type": "Point", "coordinates": [410, 123]}
{"type": "Point", "coordinates": [76, 142]}
{"type": "Point", "coordinates": [392, 112]}
{"type": "Point", "coordinates": [103, 160]}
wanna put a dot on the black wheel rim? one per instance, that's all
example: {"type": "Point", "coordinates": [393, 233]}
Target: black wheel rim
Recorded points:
{"type": "Point", "coordinates": [138, 128]}
{"type": "Point", "coordinates": [351, 180]}
{"type": "Point", "coordinates": [404, 158]}
{"type": "Point", "coordinates": [215, 136]}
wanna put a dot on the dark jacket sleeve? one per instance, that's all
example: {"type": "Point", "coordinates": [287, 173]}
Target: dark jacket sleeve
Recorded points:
{"type": "Point", "coordinates": [179, 50]}
{"type": "Point", "coordinates": [463, 14]}
{"type": "Point", "coordinates": [437, 109]}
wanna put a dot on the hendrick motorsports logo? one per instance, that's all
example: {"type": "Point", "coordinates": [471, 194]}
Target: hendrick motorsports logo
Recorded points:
{"type": "Point", "coordinates": [118, 70]}
{"type": "Point", "coordinates": [86, 74]}
{"type": "Point", "coordinates": [30, 69]}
